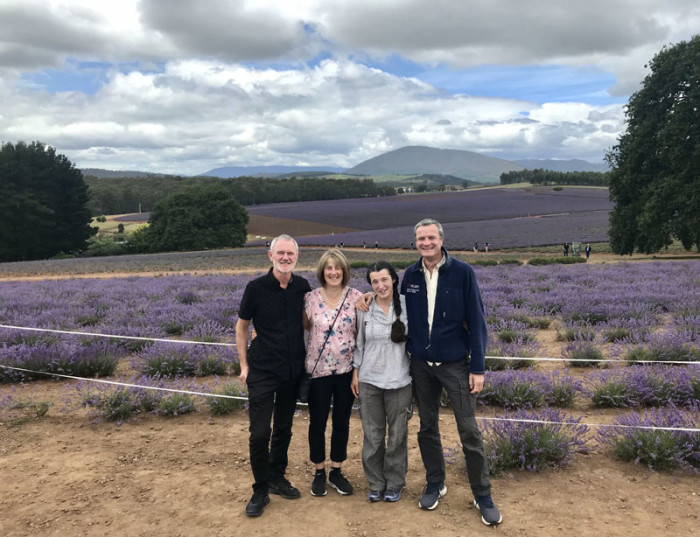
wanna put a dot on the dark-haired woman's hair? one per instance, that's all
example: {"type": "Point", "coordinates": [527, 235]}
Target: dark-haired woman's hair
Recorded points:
{"type": "Point", "coordinates": [398, 329]}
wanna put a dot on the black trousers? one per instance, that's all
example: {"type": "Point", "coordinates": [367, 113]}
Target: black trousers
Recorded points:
{"type": "Point", "coordinates": [335, 388]}
{"type": "Point", "coordinates": [271, 406]}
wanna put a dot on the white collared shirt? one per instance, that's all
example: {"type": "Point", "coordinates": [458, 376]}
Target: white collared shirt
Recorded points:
{"type": "Point", "coordinates": [431, 282]}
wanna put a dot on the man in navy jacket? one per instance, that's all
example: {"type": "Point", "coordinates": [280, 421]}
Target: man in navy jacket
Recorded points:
{"type": "Point", "coordinates": [447, 345]}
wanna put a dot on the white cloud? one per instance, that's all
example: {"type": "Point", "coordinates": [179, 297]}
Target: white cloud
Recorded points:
{"type": "Point", "coordinates": [182, 86]}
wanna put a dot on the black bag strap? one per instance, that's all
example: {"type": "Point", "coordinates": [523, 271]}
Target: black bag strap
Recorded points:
{"type": "Point", "coordinates": [330, 329]}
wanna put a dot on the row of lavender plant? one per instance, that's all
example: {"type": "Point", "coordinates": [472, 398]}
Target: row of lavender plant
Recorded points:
{"type": "Point", "coordinates": [519, 300]}
{"type": "Point", "coordinates": [634, 386]}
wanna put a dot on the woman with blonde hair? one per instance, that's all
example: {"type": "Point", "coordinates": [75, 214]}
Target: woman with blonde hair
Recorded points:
{"type": "Point", "coordinates": [330, 318]}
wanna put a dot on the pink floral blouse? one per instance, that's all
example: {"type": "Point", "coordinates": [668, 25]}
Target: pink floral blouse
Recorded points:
{"type": "Point", "coordinates": [337, 355]}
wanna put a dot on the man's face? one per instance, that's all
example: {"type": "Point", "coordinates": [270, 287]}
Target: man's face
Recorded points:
{"type": "Point", "coordinates": [428, 241]}
{"type": "Point", "coordinates": [284, 256]}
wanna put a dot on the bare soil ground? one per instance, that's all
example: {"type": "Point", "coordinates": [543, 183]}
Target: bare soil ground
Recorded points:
{"type": "Point", "coordinates": [67, 474]}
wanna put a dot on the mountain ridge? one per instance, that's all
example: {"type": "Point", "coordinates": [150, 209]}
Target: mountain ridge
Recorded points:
{"type": "Point", "coordinates": [407, 160]}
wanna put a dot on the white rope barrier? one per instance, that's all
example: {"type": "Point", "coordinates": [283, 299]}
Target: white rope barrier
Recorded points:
{"type": "Point", "coordinates": [126, 384]}
{"type": "Point", "coordinates": [115, 336]}
{"type": "Point", "coordinates": [595, 425]}
{"type": "Point", "coordinates": [606, 360]}
{"type": "Point", "coordinates": [214, 343]}
{"type": "Point", "coordinates": [241, 398]}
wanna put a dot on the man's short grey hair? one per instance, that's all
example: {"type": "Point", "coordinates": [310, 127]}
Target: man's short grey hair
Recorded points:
{"type": "Point", "coordinates": [283, 238]}
{"type": "Point", "coordinates": [429, 222]}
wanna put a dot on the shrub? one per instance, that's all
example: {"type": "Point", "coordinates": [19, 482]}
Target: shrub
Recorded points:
{"type": "Point", "coordinates": [512, 336]}
{"type": "Point", "coordinates": [211, 365]}
{"type": "Point", "coordinates": [582, 354]}
{"type": "Point", "coordinates": [172, 364]}
{"type": "Point", "coordinates": [533, 446]}
{"type": "Point", "coordinates": [638, 354]}
{"type": "Point", "coordinates": [617, 333]}
{"type": "Point", "coordinates": [562, 390]}
{"type": "Point", "coordinates": [540, 261]}
{"type": "Point", "coordinates": [177, 404]}
{"type": "Point", "coordinates": [104, 246]}
{"type": "Point", "coordinates": [570, 260]}
{"type": "Point", "coordinates": [513, 389]}
{"type": "Point", "coordinates": [220, 406]}
{"type": "Point", "coordinates": [188, 297]}
{"type": "Point", "coordinates": [576, 334]}
{"type": "Point", "coordinates": [119, 405]}
{"type": "Point", "coordinates": [614, 394]}
{"type": "Point", "coordinates": [510, 262]}
{"type": "Point", "coordinates": [586, 317]}
{"type": "Point", "coordinates": [529, 389]}
{"type": "Point", "coordinates": [69, 357]}
{"type": "Point", "coordinates": [484, 262]}
{"type": "Point", "coordinates": [655, 385]}
{"type": "Point", "coordinates": [660, 450]}
{"type": "Point", "coordinates": [672, 347]}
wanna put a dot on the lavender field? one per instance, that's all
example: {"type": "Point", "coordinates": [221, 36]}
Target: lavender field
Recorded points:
{"type": "Point", "coordinates": [506, 218]}
{"type": "Point", "coordinates": [601, 324]}
{"type": "Point", "coordinates": [624, 310]}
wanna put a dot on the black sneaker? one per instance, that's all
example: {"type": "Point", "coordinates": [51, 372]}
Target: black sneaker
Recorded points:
{"type": "Point", "coordinates": [490, 515]}
{"type": "Point", "coordinates": [257, 504]}
{"type": "Point", "coordinates": [284, 488]}
{"type": "Point", "coordinates": [431, 495]}
{"type": "Point", "coordinates": [318, 486]}
{"type": "Point", "coordinates": [338, 482]}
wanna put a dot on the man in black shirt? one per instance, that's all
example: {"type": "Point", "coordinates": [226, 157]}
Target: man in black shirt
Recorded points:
{"type": "Point", "coordinates": [272, 367]}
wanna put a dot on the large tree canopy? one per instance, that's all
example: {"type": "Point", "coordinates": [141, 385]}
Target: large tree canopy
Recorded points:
{"type": "Point", "coordinates": [655, 180]}
{"type": "Point", "coordinates": [43, 203]}
{"type": "Point", "coordinates": [195, 218]}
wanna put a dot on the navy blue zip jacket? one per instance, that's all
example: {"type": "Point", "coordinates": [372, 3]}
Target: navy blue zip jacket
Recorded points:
{"type": "Point", "coordinates": [459, 327]}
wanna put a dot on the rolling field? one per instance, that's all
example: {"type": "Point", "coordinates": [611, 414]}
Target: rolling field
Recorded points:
{"type": "Point", "coordinates": [504, 217]}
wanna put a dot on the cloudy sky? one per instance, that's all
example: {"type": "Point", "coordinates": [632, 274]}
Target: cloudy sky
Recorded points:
{"type": "Point", "coordinates": [184, 86]}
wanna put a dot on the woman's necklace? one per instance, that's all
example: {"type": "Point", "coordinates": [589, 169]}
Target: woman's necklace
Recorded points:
{"type": "Point", "coordinates": [331, 302]}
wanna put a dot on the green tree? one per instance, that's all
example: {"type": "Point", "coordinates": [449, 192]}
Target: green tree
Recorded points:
{"type": "Point", "coordinates": [43, 203]}
{"type": "Point", "coordinates": [654, 180]}
{"type": "Point", "coordinates": [195, 218]}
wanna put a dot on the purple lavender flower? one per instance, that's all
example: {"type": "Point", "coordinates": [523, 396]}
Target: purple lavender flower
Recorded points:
{"type": "Point", "coordinates": [637, 438]}
{"type": "Point", "coordinates": [534, 446]}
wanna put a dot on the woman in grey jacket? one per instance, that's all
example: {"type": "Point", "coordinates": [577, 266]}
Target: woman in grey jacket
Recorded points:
{"type": "Point", "coordinates": [382, 383]}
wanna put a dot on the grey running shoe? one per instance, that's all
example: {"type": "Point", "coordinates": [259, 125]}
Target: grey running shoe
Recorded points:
{"type": "Point", "coordinates": [490, 514]}
{"type": "Point", "coordinates": [431, 495]}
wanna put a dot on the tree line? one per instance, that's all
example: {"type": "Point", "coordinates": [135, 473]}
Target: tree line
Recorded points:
{"type": "Point", "coordinates": [540, 176]}
{"type": "Point", "coordinates": [133, 194]}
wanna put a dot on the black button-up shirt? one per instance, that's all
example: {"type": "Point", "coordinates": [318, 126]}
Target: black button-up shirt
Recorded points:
{"type": "Point", "coordinates": [276, 314]}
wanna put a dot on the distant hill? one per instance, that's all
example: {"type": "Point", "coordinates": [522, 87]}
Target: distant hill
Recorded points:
{"type": "Point", "coordinates": [266, 171]}
{"type": "Point", "coordinates": [429, 160]}
{"type": "Point", "coordinates": [111, 174]}
{"type": "Point", "coordinates": [574, 165]}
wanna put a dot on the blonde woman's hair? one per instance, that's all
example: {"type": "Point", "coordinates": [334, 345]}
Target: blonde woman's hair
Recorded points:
{"type": "Point", "coordinates": [333, 255]}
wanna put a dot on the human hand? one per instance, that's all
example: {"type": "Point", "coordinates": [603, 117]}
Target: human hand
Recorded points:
{"type": "Point", "coordinates": [364, 301]}
{"type": "Point", "coordinates": [244, 373]}
{"type": "Point", "coordinates": [476, 383]}
{"type": "Point", "coordinates": [355, 384]}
